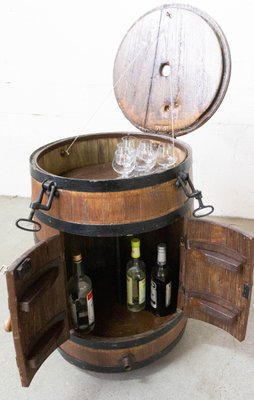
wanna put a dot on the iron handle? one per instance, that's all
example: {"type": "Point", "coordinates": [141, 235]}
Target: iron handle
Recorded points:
{"type": "Point", "coordinates": [182, 181]}
{"type": "Point", "coordinates": [48, 187]}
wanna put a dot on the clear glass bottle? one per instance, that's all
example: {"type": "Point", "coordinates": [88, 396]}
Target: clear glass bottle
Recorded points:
{"type": "Point", "coordinates": [136, 279]}
{"type": "Point", "coordinates": [81, 297]}
{"type": "Point", "coordinates": [161, 284]}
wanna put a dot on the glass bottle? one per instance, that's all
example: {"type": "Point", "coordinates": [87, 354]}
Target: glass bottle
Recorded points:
{"type": "Point", "coordinates": [136, 279]}
{"type": "Point", "coordinates": [161, 283]}
{"type": "Point", "coordinates": [81, 297]}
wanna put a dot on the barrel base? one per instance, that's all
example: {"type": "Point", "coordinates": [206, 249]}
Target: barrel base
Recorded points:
{"type": "Point", "coordinates": [123, 359]}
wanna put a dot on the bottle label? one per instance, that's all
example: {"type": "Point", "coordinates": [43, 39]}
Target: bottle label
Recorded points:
{"type": "Point", "coordinates": [142, 291]}
{"type": "Point", "coordinates": [136, 291]}
{"type": "Point", "coordinates": [135, 253]}
{"type": "Point", "coordinates": [153, 294]}
{"type": "Point", "coordinates": [168, 294]}
{"type": "Point", "coordinates": [129, 290]}
{"type": "Point", "coordinates": [90, 307]}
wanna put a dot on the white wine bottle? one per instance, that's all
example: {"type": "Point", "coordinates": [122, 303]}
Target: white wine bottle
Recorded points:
{"type": "Point", "coordinates": [81, 297]}
{"type": "Point", "coordinates": [136, 279]}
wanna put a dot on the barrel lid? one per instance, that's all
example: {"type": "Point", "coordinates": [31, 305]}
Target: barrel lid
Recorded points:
{"type": "Point", "coordinates": [173, 64]}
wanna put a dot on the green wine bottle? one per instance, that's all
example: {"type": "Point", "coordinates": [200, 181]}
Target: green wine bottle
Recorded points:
{"type": "Point", "coordinates": [136, 279]}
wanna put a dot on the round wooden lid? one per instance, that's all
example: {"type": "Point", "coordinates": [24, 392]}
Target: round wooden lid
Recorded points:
{"type": "Point", "coordinates": [173, 64]}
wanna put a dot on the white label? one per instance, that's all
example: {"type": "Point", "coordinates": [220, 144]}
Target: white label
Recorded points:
{"type": "Point", "coordinates": [168, 294]}
{"type": "Point", "coordinates": [129, 290]}
{"type": "Point", "coordinates": [90, 307]}
{"type": "Point", "coordinates": [153, 294]}
{"type": "Point", "coordinates": [142, 291]}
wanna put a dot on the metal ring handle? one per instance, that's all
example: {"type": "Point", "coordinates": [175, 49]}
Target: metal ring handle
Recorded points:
{"type": "Point", "coordinates": [48, 187]}
{"type": "Point", "coordinates": [201, 208]}
{"type": "Point", "coordinates": [37, 225]}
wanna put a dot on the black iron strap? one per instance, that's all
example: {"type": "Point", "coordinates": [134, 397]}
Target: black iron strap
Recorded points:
{"type": "Point", "coordinates": [183, 181]}
{"type": "Point", "coordinates": [48, 188]}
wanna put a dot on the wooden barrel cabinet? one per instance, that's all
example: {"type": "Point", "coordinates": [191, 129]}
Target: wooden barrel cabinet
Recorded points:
{"type": "Point", "coordinates": [80, 204]}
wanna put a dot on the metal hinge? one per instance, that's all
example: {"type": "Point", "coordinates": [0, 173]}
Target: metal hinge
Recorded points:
{"type": "Point", "coordinates": [246, 291]}
{"type": "Point", "coordinates": [184, 241]}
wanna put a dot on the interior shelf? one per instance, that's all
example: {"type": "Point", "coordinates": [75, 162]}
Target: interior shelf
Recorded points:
{"type": "Point", "coordinates": [118, 321]}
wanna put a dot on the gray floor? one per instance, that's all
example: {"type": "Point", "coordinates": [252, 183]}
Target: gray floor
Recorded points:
{"type": "Point", "coordinates": [206, 364]}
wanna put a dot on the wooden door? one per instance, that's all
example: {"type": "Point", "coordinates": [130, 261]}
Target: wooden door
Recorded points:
{"type": "Point", "coordinates": [37, 292]}
{"type": "Point", "coordinates": [216, 275]}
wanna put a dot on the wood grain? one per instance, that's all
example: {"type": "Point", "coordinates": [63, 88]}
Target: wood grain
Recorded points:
{"type": "Point", "coordinates": [101, 358]}
{"type": "Point", "coordinates": [196, 50]}
{"type": "Point", "coordinates": [39, 318]}
{"type": "Point", "coordinates": [107, 208]}
{"type": "Point", "coordinates": [90, 156]}
{"type": "Point", "coordinates": [90, 160]}
{"type": "Point", "coordinates": [212, 288]}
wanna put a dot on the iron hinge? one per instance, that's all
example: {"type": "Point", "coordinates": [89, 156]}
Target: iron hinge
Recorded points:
{"type": "Point", "coordinates": [246, 291]}
{"type": "Point", "coordinates": [184, 241]}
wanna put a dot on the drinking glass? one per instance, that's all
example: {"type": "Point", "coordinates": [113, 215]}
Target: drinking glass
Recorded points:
{"type": "Point", "coordinates": [146, 154]}
{"type": "Point", "coordinates": [124, 161]}
{"type": "Point", "coordinates": [165, 157]}
{"type": "Point", "coordinates": [129, 142]}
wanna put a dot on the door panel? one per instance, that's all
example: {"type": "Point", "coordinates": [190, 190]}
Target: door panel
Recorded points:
{"type": "Point", "coordinates": [216, 275]}
{"type": "Point", "coordinates": [38, 305]}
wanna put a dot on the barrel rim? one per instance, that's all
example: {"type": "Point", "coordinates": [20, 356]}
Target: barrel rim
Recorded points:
{"type": "Point", "coordinates": [97, 342]}
{"type": "Point", "coordinates": [109, 185]}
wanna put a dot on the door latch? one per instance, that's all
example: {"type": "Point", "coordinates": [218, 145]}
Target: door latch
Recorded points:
{"type": "Point", "coordinates": [183, 181]}
{"type": "Point", "coordinates": [49, 188]}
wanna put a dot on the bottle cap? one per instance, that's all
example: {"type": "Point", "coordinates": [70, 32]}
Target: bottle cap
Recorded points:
{"type": "Point", "coordinates": [161, 253]}
{"type": "Point", "coordinates": [135, 243]}
{"type": "Point", "coordinates": [135, 248]}
{"type": "Point", "coordinates": [77, 257]}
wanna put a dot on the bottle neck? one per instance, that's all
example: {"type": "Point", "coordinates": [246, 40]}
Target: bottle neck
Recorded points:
{"type": "Point", "coordinates": [135, 248]}
{"type": "Point", "coordinates": [161, 256]}
{"type": "Point", "coordinates": [78, 269]}
{"type": "Point", "coordinates": [135, 252]}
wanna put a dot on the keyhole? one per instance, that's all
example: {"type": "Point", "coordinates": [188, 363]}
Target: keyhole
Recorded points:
{"type": "Point", "coordinates": [165, 69]}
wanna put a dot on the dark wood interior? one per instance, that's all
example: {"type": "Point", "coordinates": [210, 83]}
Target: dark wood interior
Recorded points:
{"type": "Point", "coordinates": [91, 156]}
{"type": "Point", "coordinates": [105, 260]}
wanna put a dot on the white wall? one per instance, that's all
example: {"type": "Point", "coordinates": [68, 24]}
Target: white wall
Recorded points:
{"type": "Point", "coordinates": [56, 62]}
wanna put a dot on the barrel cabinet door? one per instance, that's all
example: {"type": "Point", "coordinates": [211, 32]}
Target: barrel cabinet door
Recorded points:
{"type": "Point", "coordinates": [216, 275]}
{"type": "Point", "coordinates": [37, 293]}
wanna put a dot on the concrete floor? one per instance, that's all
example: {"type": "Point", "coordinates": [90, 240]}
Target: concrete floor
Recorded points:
{"type": "Point", "coordinates": [206, 364]}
